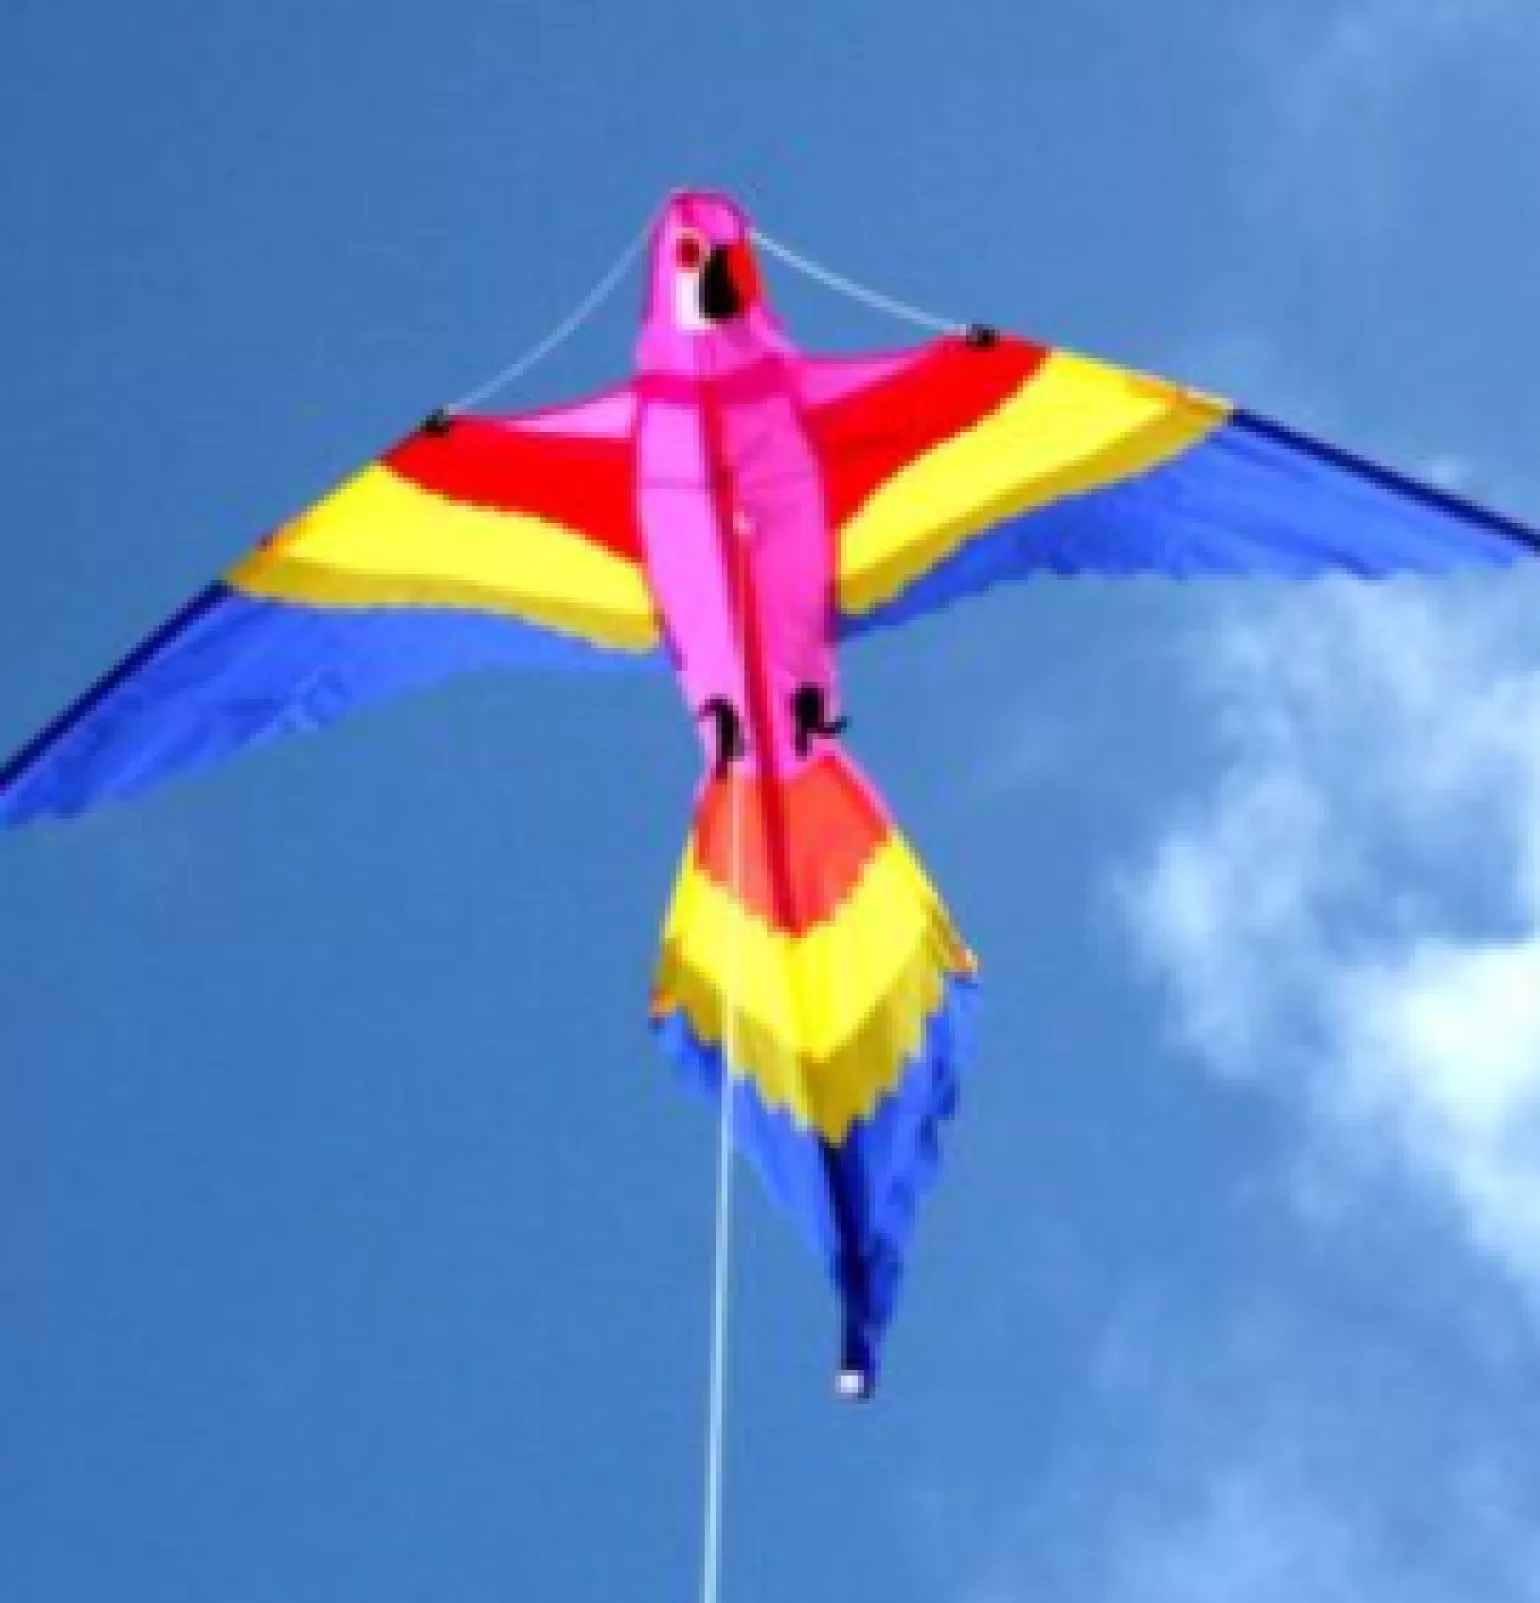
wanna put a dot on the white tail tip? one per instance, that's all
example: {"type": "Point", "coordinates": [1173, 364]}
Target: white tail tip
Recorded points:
{"type": "Point", "coordinates": [853, 1385]}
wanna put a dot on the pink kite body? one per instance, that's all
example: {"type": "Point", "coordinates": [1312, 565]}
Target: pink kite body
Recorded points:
{"type": "Point", "coordinates": [730, 496]}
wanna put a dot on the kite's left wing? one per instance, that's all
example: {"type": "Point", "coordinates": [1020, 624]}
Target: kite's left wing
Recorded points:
{"type": "Point", "coordinates": [475, 542]}
{"type": "Point", "coordinates": [978, 459]}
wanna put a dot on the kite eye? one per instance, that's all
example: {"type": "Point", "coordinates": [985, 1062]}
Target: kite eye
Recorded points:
{"type": "Point", "coordinates": [689, 250]}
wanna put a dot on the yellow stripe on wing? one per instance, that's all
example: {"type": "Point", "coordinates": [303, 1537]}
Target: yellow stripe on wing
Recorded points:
{"type": "Point", "coordinates": [1075, 425]}
{"type": "Point", "coordinates": [825, 1023]}
{"type": "Point", "coordinates": [380, 541]}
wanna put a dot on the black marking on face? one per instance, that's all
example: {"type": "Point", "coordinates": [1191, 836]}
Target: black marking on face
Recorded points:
{"type": "Point", "coordinates": [720, 300]}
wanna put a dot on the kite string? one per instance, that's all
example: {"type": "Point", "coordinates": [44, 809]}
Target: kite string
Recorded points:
{"type": "Point", "coordinates": [874, 299]}
{"type": "Point", "coordinates": [563, 331]}
{"type": "Point", "coordinates": [711, 1557]}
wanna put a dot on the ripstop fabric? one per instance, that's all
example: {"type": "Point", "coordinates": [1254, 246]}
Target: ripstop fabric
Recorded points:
{"type": "Point", "coordinates": [737, 509]}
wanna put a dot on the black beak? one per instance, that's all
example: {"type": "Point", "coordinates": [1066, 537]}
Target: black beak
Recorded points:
{"type": "Point", "coordinates": [720, 298]}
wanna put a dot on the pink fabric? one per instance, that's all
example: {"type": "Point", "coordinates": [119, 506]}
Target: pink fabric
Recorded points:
{"type": "Point", "coordinates": [610, 415]}
{"type": "Point", "coordinates": [723, 455]}
{"type": "Point", "coordinates": [667, 347]}
{"type": "Point", "coordinates": [831, 378]}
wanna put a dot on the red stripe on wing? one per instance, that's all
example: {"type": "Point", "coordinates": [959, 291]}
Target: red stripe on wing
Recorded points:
{"type": "Point", "coordinates": [582, 484]}
{"type": "Point", "coordinates": [866, 437]}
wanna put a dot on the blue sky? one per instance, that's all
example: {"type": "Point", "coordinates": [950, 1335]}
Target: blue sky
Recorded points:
{"type": "Point", "coordinates": [352, 1242]}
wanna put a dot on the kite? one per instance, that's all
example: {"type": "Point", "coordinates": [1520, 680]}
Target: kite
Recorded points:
{"type": "Point", "coordinates": [739, 509]}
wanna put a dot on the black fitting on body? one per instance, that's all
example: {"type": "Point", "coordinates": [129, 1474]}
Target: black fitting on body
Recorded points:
{"type": "Point", "coordinates": [810, 717]}
{"type": "Point", "coordinates": [728, 729]}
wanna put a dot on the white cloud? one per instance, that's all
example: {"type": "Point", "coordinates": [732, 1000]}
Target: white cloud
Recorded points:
{"type": "Point", "coordinates": [1262, 1450]}
{"type": "Point", "coordinates": [1255, 1530]}
{"type": "Point", "coordinates": [1352, 916]}
{"type": "Point", "coordinates": [1283, 1509]}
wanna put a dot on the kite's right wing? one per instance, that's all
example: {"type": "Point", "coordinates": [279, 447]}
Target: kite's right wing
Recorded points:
{"type": "Point", "coordinates": [974, 460]}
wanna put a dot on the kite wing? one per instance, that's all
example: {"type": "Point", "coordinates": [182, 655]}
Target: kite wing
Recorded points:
{"type": "Point", "coordinates": [972, 460]}
{"type": "Point", "coordinates": [475, 542]}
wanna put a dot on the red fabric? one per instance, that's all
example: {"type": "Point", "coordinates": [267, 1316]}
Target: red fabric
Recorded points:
{"type": "Point", "coordinates": [864, 438]}
{"type": "Point", "coordinates": [814, 833]}
{"type": "Point", "coordinates": [583, 484]}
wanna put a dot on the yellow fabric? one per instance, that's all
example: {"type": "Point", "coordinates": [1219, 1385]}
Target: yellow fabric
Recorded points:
{"type": "Point", "coordinates": [378, 540]}
{"type": "Point", "coordinates": [1075, 425]}
{"type": "Point", "coordinates": [825, 1022]}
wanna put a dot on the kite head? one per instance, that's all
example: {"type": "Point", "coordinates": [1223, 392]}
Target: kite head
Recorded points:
{"type": "Point", "coordinates": [706, 308]}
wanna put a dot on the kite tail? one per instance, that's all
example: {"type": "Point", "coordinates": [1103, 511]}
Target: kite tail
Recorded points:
{"type": "Point", "coordinates": [805, 944]}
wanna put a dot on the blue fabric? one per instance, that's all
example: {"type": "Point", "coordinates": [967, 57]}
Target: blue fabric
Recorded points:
{"type": "Point", "coordinates": [1252, 499]}
{"type": "Point", "coordinates": [855, 1202]}
{"type": "Point", "coordinates": [230, 672]}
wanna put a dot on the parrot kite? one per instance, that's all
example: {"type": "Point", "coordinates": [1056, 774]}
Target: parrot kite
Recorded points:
{"type": "Point", "coordinates": [740, 509]}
